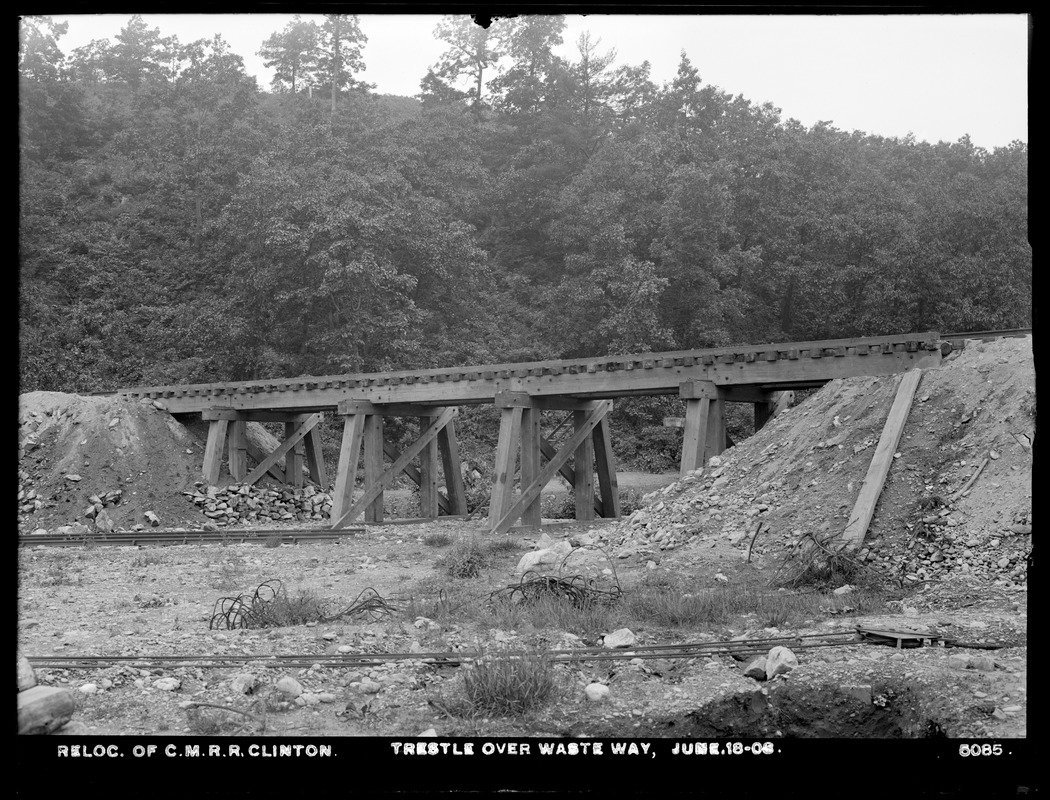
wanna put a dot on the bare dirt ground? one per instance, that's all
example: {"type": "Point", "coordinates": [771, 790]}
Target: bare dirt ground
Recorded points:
{"type": "Point", "coordinates": [934, 560]}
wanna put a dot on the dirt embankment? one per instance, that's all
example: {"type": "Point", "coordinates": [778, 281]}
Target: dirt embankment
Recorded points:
{"type": "Point", "coordinates": [72, 449]}
{"type": "Point", "coordinates": [799, 477]}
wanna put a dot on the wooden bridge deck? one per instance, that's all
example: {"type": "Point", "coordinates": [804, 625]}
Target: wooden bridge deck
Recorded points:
{"type": "Point", "coordinates": [739, 370]}
{"type": "Point", "coordinates": [581, 388]}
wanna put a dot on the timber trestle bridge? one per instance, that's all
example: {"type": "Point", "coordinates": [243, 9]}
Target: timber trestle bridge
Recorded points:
{"type": "Point", "coordinates": [582, 390]}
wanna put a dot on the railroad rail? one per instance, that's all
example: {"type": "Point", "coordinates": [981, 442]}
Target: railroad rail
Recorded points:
{"type": "Point", "coordinates": [734, 648]}
{"type": "Point", "coordinates": [229, 536]}
{"type": "Point", "coordinates": [786, 365]}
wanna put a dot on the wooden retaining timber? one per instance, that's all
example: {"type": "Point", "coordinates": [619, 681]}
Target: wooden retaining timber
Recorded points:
{"type": "Point", "coordinates": [864, 508]}
{"type": "Point", "coordinates": [706, 379]}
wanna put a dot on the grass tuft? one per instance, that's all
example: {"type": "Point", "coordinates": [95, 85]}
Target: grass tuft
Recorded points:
{"type": "Point", "coordinates": [510, 684]}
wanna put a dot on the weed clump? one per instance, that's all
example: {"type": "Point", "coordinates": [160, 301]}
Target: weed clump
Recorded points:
{"type": "Point", "coordinates": [505, 683]}
{"type": "Point", "coordinates": [465, 559]}
{"type": "Point", "coordinates": [437, 539]}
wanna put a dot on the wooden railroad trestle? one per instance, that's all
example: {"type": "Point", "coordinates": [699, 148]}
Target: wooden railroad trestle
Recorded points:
{"type": "Point", "coordinates": [582, 389]}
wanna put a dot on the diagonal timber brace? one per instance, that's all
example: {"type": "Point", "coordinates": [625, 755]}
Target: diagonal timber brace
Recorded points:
{"type": "Point", "coordinates": [227, 424]}
{"type": "Point", "coordinates": [534, 481]}
{"type": "Point", "coordinates": [295, 434]}
{"type": "Point", "coordinates": [358, 428]}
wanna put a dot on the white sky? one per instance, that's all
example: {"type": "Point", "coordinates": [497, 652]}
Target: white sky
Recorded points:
{"type": "Point", "coordinates": [937, 76]}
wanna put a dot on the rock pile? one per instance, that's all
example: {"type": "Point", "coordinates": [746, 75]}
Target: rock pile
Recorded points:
{"type": "Point", "coordinates": [237, 504]}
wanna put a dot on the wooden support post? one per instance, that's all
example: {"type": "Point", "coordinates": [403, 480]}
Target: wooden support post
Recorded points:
{"type": "Point", "coordinates": [213, 450]}
{"type": "Point", "coordinates": [772, 404]}
{"type": "Point", "coordinates": [532, 491]}
{"type": "Point", "coordinates": [695, 440]}
{"type": "Point", "coordinates": [376, 483]}
{"type": "Point", "coordinates": [506, 457]}
{"type": "Point", "coordinates": [584, 469]}
{"type": "Point", "coordinates": [315, 459]}
{"type": "Point", "coordinates": [605, 464]}
{"type": "Point", "coordinates": [373, 446]}
{"type": "Point", "coordinates": [864, 508]}
{"type": "Point", "coordinates": [293, 460]}
{"type": "Point", "coordinates": [346, 472]}
{"type": "Point", "coordinates": [705, 428]}
{"type": "Point", "coordinates": [238, 449]}
{"type": "Point", "coordinates": [716, 428]}
{"type": "Point", "coordinates": [428, 474]}
{"type": "Point", "coordinates": [448, 446]}
{"type": "Point", "coordinates": [530, 462]}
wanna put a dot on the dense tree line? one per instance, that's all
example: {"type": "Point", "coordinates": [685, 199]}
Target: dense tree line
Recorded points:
{"type": "Point", "coordinates": [180, 224]}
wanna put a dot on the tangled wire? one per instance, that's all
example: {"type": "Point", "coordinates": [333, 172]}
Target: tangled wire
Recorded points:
{"type": "Point", "coordinates": [270, 606]}
{"type": "Point", "coordinates": [577, 589]}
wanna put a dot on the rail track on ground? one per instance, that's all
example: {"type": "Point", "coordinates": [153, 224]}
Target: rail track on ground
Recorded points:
{"type": "Point", "coordinates": [176, 537]}
{"type": "Point", "coordinates": [737, 649]}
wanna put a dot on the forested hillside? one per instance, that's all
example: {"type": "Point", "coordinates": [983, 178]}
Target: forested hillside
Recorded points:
{"type": "Point", "coordinates": [180, 223]}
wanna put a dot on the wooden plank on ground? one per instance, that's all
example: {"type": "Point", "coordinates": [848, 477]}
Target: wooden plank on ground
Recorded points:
{"type": "Point", "coordinates": [864, 508]}
{"type": "Point", "coordinates": [286, 446]}
{"type": "Point", "coordinates": [532, 491]}
{"type": "Point", "coordinates": [213, 450]}
{"type": "Point", "coordinates": [374, 488]}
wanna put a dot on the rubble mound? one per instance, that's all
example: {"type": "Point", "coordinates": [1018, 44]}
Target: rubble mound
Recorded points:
{"type": "Point", "coordinates": [796, 480]}
{"type": "Point", "coordinates": [79, 456]}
